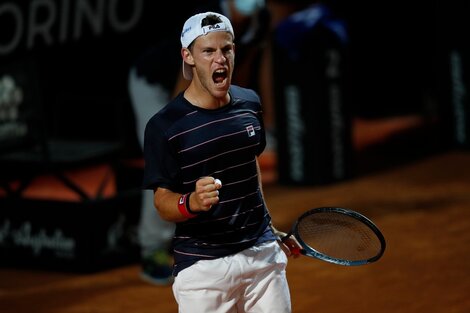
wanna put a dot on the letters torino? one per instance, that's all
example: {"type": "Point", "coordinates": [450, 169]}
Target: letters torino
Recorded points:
{"type": "Point", "coordinates": [48, 22]}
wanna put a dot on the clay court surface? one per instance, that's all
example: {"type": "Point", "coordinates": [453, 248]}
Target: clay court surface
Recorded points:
{"type": "Point", "coordinates": [422, 207]}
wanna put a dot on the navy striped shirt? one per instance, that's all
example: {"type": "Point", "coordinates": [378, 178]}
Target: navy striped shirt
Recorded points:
{"type": "Point", "coordinates": [183, 143]}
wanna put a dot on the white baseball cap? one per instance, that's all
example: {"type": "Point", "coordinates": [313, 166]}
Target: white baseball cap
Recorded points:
{"type": "Point", "coordinates": [193, 28]}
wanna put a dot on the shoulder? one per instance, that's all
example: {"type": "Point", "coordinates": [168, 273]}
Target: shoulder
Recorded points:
{"type": "Point", "coordinates": [246, 94]}
{"type": "Point", "coordinates": [171, 113]}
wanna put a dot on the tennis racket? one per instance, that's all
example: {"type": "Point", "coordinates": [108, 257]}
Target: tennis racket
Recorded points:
{"type": "Point", "coordinates": [338, 235]}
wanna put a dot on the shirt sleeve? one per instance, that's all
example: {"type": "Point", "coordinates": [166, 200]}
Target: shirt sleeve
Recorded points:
{"type": "Point", "coordinates": [161, 169]}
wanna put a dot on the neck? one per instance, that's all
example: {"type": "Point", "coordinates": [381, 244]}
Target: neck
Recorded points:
{"type": "Point", "coordinates": [205, 99]}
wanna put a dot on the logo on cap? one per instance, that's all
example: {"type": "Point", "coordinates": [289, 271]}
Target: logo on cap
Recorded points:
{"type": "Point", "coordinates": [214, 27]}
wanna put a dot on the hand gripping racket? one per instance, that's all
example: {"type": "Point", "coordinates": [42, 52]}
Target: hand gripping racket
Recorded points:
{"type": "Point", "coordinates": [338, 235]}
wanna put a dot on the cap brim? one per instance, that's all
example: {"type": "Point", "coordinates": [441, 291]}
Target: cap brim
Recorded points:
{"type": "Point", "coordinates": [187, 71]}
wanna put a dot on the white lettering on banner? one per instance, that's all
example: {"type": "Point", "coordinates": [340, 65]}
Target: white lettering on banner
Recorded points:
{"type": "Point", "coordinates": [116, 232]}
{"type": "Point", "coordinates": [48, 21]}
{"type": "Point", "coordinates": [23, 236]}
{"type": "Point", "coordinates": [333, 74]}
{"type": "Point", "coordinates": [13, 11]}
{"type": "Point", "coordinates": [4, 232]}
{"type": "Point", "coordinates": [295, 132]}
{"type": "Point", "coordinates": [11, 98]}
{"type": "Point", "coordinates": [458, 95]}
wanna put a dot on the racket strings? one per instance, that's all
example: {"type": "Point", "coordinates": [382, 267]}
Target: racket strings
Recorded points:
{"type": "Point", "coordinates": [339, 236]}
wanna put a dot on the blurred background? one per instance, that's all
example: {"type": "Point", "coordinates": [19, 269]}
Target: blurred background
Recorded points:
{"type": "Point", "coordinates": [366, 106]}
{"type": "Point", "coordinates": [356, 87]}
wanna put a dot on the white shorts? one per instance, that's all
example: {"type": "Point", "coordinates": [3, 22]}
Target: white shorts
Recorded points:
{"type": "Point", "coordinates": [253, 280]}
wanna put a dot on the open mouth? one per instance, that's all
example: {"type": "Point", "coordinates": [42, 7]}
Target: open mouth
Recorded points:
{"type": "Point", "coordinates": [219, 76]}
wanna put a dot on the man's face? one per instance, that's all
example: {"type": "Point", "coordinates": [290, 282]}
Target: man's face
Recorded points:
{"type": "Point", "coordinates": [214, 58]}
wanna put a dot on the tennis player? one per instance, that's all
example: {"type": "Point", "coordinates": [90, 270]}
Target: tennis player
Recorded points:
{"type": "Point", "coordinates": [201, 155]}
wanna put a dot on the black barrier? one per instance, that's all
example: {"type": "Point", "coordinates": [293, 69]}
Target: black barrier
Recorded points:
{"type": "Point", "coordinates": [87, 235]}
{"type": "Point", "coordinates": [69, 236]}
{"type": "Point", "coordinates": [313, 122]}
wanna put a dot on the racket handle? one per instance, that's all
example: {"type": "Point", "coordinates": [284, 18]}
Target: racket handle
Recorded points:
{"type": "Point", "coordinates": [295, 251]}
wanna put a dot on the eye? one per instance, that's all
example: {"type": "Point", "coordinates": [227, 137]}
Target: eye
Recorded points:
{"type": "Point", "coordinates": [208, 51]}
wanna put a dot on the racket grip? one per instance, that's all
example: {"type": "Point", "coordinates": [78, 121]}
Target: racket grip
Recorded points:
{"type": "Point", "coordinates": [295, 251]}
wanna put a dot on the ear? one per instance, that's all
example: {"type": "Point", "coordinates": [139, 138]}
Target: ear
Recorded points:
{"type": "Point", "coordinates": [187, 56]}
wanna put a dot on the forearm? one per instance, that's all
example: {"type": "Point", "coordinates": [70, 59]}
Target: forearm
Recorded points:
{"type": "Point", "coordinates": [166, 203]}
{"type": "Point", "coordinates": [176, 207]}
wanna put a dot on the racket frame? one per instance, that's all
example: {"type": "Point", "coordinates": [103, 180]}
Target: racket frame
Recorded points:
{"type": "Point", "coordinates": [311, 252]}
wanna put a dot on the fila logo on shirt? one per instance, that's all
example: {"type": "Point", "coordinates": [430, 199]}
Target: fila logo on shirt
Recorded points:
{"type": "Point", "coordinates": [250, 130]}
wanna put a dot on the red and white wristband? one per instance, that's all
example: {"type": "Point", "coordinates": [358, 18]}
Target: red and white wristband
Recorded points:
{"type": "Point", "coordinates": [183, 206]}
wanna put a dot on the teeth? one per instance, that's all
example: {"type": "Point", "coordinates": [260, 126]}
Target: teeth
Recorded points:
{"type": "Point", "coordinates": [219, 71]}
